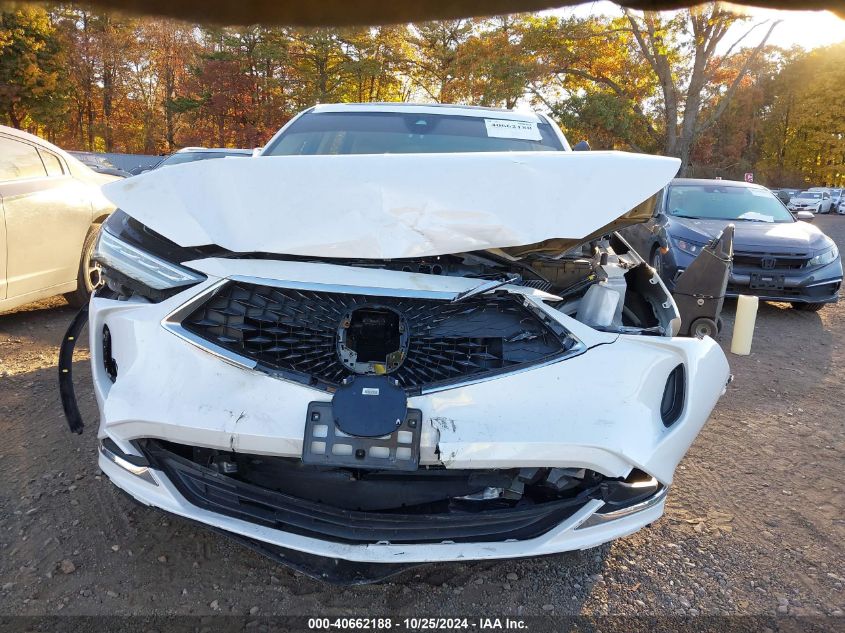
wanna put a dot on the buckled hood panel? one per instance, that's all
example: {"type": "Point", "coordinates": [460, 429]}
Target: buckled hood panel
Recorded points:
{"type": "Point", "coordinates": [394, 206]}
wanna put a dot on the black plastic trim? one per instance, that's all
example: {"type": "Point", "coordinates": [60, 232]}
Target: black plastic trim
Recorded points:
{"type": "Point", "coordinates": [66, 390]}
{"type": "Point", "coordinates": [225, 495]}
{"type": "Point", "coordinates": [674, 394]}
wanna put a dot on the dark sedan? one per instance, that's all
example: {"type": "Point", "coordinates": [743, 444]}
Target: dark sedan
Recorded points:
{"type": "Point", "coordinates": [775, 257]}
{"type": "Point", "coordinates": [785, 195]}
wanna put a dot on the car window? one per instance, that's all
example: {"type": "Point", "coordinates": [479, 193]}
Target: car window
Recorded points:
{"type": "Point", "coordinates": [52, 163]}
{"type": "Point", "coordinates": [19, 160]}
{"type": "Point", "coordinates": [403, 133]}
{"type": "Point", "coordinates": [726, 202]}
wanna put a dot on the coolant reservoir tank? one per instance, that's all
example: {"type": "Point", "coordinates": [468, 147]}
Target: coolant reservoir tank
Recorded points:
{"type": "Point", "coordinates": [599, 305]}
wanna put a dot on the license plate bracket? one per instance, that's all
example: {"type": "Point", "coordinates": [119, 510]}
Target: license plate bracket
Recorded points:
{"type": "Point", "coordinates": [764, 281]}
{"type": "Point", "coordinates": [325, 444]}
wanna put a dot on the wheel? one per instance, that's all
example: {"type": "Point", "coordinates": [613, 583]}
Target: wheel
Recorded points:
{"type": "Point", "coordinates": [656, 261]}
{"type": "Point", "coordinates": [808, 307]}
{"type": "Point", "coordinates": [88, 277]}
{"type": "Point", "coordinates": [702, 327]}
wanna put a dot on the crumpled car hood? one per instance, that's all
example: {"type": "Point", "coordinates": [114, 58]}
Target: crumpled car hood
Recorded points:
{"type": "Point", "coordinates": [391, 206]}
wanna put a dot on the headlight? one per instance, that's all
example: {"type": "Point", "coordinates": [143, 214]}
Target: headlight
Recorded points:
{"type": "Point", "coordinates": [145, 268]}
{"type": "Point", "coordinates": [691, 248]}
{"type": "Point", "coordinates": [825, 257]}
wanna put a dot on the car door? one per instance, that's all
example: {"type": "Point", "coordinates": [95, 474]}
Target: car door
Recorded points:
{"type": "Point", "coordinates": [825, 206]}
{"type": "Point", "coordinates": [47, 214]}
{"type": "Point", "coordinates": [2, 252]}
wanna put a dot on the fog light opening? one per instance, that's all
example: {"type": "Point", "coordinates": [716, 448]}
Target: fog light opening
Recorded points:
{"type": "Point", "coordinates": [109, 363]}
{"type": "Point", "coordinates": [672, 403]}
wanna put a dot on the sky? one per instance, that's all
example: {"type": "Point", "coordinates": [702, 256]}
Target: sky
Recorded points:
{"type": "Point", "coordinates": [808, 29]}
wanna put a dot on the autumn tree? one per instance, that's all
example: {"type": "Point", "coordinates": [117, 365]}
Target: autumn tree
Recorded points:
{"type": "Point", "coordinates": [31, 68]}
{"type": "Point", "coordinates": [682, 52]}
{"type": "Point", "coordinates": [589, 76]}
{"type": "Point", "coordinates": [494, 66]}
{"type": "Point", "coordinates": [663, 65]}
{"type": "Point", "coordinates": [803, 133]}
{"type": "Point", "coordinates": [438, 48]}
{"type": "Point", "coordinates": [731, 147]}
{"type": "Point", "coordinates": [377, 62]}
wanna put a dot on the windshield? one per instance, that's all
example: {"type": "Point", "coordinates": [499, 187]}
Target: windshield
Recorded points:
{"type": "Point", "coordinates": [409, 133]}
{"type": "Point", "coordinates": [726, 202]}
{"type": "Point", "coordinates": [815, 195]}
{"type": "Point", "coordinates": [190, 157]}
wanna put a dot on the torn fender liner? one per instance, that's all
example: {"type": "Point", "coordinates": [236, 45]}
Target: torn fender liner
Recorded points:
{"type": "Point", "coordinates": [69, 405]}
{"type": "Point", "coordinates": [391, 206]}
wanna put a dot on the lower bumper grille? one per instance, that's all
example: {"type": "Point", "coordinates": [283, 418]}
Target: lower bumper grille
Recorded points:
{"type": "Point", "coordinates": [224, 495]}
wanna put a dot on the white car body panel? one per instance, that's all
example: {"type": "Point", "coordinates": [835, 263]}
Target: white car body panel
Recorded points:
{"type": "Point", "coordinates": [386, 206]}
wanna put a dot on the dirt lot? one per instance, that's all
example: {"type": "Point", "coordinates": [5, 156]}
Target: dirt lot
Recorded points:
{"type": "Point", "coordinates": [754, 522]}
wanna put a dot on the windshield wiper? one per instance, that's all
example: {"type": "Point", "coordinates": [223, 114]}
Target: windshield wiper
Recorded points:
{"type": "Point", "coordinates": [482, 288]}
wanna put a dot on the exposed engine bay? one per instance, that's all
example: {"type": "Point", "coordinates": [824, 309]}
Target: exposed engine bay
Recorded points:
{"type": "Point", "coordinates": [603, 283]}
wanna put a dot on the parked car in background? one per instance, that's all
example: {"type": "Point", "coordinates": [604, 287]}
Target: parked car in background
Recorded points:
{"type": "Point", "coordinates": [827, 199]}
{"type": "Point", "coordinates": [836, 198]}
{"type": "Point", "coordinates": [813, 201]}
{"type": "Point", "coordinates": [775, 257]}
{"type": "Point", "coordinates": [191, 154]}
{"type": "Point", "coordinates": [51, 209]}
{"type": "Point", "coordinates": [100, 164]}
{"type": "Point", "coordinates": [785, 195]}
{"type": "Point", "coordinates": [397, 355]}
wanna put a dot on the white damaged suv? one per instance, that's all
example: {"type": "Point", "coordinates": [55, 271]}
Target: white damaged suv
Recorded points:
{"type": "Point", "coordinates": [402, 334]}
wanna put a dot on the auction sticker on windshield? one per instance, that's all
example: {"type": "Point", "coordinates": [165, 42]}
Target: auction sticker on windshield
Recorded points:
{"type": "Point", "coordinates": [503, 128]}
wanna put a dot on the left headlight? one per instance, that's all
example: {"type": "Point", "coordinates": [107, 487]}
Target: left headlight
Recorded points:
{"type": "Point", "coordinates": [691, 248]}
{"type": "Point", "coordinates": [824, 257]}
{"type": "Point", "coordinates": [150, 271]}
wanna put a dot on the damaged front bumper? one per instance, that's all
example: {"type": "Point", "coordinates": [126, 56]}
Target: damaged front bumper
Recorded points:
{"type": "Point", "coordinates": [559, 452]}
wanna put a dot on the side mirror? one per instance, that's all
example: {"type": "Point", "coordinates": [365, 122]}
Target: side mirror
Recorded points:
{"type": "Point", "coordinates": [583, 146]}
{"type": "Point", "coordinates": [256, 151]}
{"type": "Point", "coordinates": [806, 216]}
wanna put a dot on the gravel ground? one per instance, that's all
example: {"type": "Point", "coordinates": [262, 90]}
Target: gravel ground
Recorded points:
{"type": "Point", "coordinates": [754, 521]}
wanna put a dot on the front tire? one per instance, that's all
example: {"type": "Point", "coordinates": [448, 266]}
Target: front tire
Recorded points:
{"type": "Point", "coordinates": [88, 277]}
{"type": "Point", "coordinates": [807, 307]}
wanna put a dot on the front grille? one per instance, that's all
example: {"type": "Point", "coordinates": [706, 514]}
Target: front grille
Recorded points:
{"type": "Point", "coordinates": [296, 332]}
{"type": "Point", "coordinates": [774, 261]}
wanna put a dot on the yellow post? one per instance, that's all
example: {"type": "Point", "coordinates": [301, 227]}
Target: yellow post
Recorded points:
{"type": "Point", "coordinates": [746, 315]}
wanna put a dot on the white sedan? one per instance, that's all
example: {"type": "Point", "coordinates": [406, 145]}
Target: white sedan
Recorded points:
{"type": "Point", "coordinates": [814, 201]}
{"type": "Point", "coordinates": [51, 208]}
